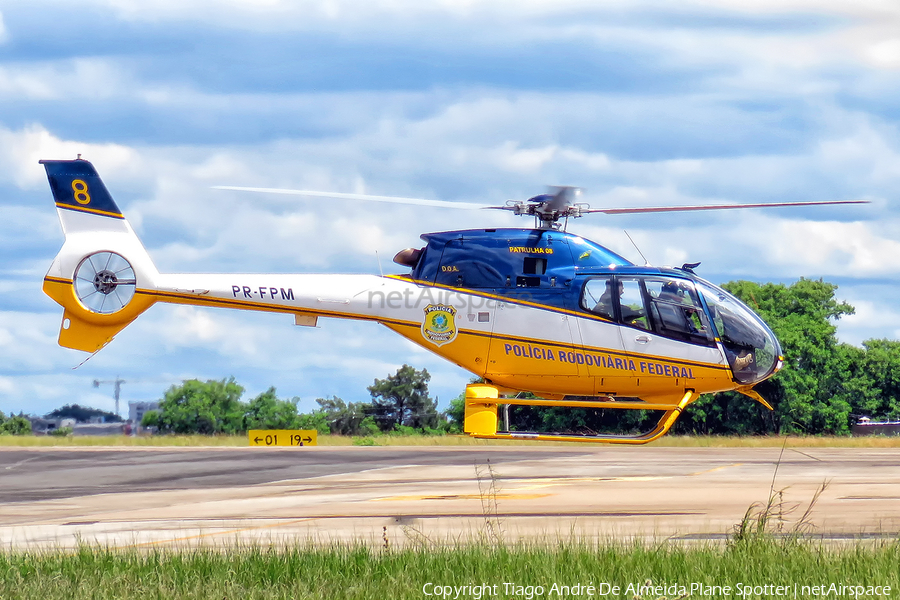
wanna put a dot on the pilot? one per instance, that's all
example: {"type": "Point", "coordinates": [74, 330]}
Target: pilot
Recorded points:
{"type": "Point", "coordinates": [670, 292]}
{"type": "Point", "coordinates": [605, 306]}
{"type": "Point", "coordinates": [683, 318]}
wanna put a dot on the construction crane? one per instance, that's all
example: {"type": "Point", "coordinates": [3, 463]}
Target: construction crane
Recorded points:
{"type": "Point", "coordinates": [117, 382]}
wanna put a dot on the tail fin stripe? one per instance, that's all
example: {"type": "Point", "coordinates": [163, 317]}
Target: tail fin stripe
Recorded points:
{"type": "Point", "coordinates": [94, 211]}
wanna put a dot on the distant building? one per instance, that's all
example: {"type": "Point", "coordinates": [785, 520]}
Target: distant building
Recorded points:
{"type": "Point", "coordinates": [41, 426]}
{"type": "Point", "coordinates": [136, 412]}
{"type": "Point", "coordinates": [99, 429]}
{"type": "Point", "coordinates": [866, 426]}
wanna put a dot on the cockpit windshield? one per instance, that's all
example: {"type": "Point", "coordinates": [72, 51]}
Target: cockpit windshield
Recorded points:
{"type": "Point", "coordinates": [751, 347]}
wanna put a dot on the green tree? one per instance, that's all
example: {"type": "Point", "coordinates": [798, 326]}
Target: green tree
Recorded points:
{"type": "Point", "coordinates": [456, 413]}
{"type": "Point", "coordinates": [83, 414]}
{"type": "Point", "coordinates": [150, 419]}
{"type": "Point", "coordinates": [314, 420]}
{"type": "Point", "coordinates": [870, 378]}
{"type": "Point", "coordinates": [15, 425]}
{"type": "Point", "coordinates": [343, 418]}
{"type": "Point", "coordinates": [579, 421]}
{"type": "Point", "coordinates": [402, 399]}
{"type": "Point", "coordinates": [805, 394]}
{"type": "Point", "coordinates": [202, 407]}
{"type": "Point", "coordinates": [266, 411]}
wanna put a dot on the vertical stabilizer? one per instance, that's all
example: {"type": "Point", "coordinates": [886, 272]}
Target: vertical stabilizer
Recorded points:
{"type": "Point", "coordinates": [100, 272]}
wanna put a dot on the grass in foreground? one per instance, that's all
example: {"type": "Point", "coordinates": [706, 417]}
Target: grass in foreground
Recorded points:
{"type": "Point", "coordinates": [669, 441]}
{"type": "Point", "coordinates": [523, 571]}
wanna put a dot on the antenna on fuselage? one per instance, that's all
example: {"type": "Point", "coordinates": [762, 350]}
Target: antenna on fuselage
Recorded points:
{"type": "Point", "coordinates": [646, 262]}
{"type": "Point", "coordinates": [378, 258]}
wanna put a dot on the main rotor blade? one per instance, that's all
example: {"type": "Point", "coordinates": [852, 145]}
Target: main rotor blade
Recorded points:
{"type": "Point", "coordinates": [369, 197]}
{"type": "Point", "coordinates": [649, 209]}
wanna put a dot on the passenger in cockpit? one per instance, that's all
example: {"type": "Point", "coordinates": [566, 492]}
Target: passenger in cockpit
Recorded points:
{"type": "Point", "coordinates": [676, 311]}
{"type": "Point", "coordinates": [605, 305]}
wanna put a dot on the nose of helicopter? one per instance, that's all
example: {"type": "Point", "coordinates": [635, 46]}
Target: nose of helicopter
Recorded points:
{"type": "Point", "coordinates": [753, 351]}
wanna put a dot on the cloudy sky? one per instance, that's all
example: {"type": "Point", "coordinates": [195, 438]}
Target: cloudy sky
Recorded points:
{"type": "Point", "coordinates": [638, 102]}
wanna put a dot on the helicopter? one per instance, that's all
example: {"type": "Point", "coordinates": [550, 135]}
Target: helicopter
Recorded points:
{"type": "Point", "coordinates": [536, 309]}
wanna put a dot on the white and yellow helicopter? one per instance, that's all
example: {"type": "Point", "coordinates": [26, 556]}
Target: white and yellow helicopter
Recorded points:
{"type": "Point", "coordinates": [537, 310]}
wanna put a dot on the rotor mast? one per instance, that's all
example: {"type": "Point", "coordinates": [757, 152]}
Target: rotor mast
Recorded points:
{"type": "Point", "coordinates": [549, 209]}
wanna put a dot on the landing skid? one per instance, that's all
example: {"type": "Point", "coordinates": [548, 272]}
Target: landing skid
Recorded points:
{"type": "Point", "coordinates": [481, 416]}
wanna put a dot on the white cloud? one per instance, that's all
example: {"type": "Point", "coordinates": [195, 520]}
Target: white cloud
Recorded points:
{"type": "Point", "coordinates": [869, 314]}
{"type": "Point", "coordinates": [835, 248]}
{"type": "Point", "coordinates": [21, 150]}
{"type": "Point", "coordinates": [25, 339]}
{"type": "Point", "coordinates": [281, 15]}
{"type": "Point", "coordinates": [885, 53]}
{"type": "Point", "coordinates": [875, 316]}
{"type": "Point", "coordinates": [752, 113]}
{"type": "Point", "coordinates": [524, 160]}
{"type": "Point", "coordinates": [68, 79]}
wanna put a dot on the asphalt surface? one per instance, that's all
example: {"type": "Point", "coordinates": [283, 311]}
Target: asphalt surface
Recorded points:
{"type": "Point", "coordinates": [48, 473]}
{"type": "Point", "coordinates": [59, 497]}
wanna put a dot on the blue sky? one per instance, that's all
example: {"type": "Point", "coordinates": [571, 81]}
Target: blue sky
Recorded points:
{"type": "Point", "coordinates": [637, 102]}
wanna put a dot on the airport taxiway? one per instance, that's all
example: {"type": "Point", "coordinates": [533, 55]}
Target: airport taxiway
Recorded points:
{"type": "Point", "coordinates": [165, 497]}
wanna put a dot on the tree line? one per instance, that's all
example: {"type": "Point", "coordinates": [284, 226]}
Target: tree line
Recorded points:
{"type": "Point", "coordinates": [14, 424]}
{"type": "Point", "coordinates": [399, 403]}
{"type": "Point", "coordinates": [824, 386]}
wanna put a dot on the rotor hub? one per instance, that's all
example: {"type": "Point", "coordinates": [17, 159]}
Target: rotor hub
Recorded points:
{"type": "Point", "coordinates": [104, 282]}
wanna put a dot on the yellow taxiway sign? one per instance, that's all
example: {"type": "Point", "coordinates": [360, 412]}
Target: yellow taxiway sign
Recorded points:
{"type": "Point", "coordinates": [282, 437]}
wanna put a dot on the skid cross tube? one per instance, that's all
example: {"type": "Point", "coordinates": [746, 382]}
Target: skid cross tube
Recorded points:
{"type": "Point", "coordinates": [481, 417]}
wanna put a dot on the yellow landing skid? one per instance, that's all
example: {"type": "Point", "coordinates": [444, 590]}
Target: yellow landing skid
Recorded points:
{"type": "Point", "coordinates": [481, 416]}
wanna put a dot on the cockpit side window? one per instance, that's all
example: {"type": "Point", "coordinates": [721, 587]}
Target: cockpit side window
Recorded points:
{"type": "Point", "coordinates": [632, 310]}
{"type": "Point", "coordinates": [617, 299]}
{"type": "Point", "coordinates": [677, 312]}
{"type": "Point", "coordinates": [599, 296]}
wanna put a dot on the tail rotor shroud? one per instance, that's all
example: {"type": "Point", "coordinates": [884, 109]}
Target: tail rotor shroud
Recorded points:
{"type": "Point", "coordinates": [104, 282]}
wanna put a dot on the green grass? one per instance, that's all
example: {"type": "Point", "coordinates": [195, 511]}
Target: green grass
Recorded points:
{"type": "Point", "coordinates": [669, 441]}
{"type": "Point", "coordinates": [366, 573]}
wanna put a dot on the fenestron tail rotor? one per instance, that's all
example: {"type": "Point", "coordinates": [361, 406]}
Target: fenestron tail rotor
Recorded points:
{"type": "Point", "coordinates": [104, 282]}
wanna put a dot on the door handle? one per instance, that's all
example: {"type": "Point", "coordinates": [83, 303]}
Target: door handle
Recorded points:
{"type": "Point", "coordinates": [642, 339]}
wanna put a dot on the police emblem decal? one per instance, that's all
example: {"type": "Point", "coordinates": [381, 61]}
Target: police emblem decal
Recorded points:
{"type": "Point", "coordinates": [439, 326]}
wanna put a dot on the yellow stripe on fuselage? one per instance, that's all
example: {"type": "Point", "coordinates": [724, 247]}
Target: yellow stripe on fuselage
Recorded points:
{"type": "Point", "coordinates": [472, 350]}
{"type": "Point", "coordinates": [199, 300]}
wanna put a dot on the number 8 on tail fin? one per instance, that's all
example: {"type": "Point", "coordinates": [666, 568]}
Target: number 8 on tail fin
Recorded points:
{"type": "Point", "coordinates": [102, 275]}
